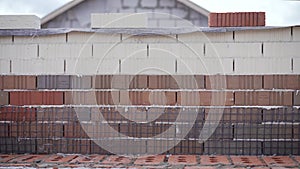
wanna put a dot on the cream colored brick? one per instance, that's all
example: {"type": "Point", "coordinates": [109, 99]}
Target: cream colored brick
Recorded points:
{"type": "Point", "coordinates": [59, 38]}
{"type": "Point", "coordinates": [284, 49]}
{"type": "Point", "coordinates": [177, 50]}
{"type": "Point", "coordinates": [85, 37]}
{"type": "Point", "coordinates": [233, 50]}
{"type": "Point", "coordinates": [19, 22]}
{"type": "Point", "coordinates": [155, 66]}
{"type": "Point", "coordinates": [126, 38]}
{"type": "Point", "coordinates": [119, 20]}
{"type": "Point", "coordinates": [5, 39]}
{"type": "Point", "coordinates": [206, 37]}
{"type": "Point", "coordinates": [296, 65]}
{"type": "Point", "coordinates": [263, 35]}
{"type": "Point", "coordinates": [120, 51]}
{"type": "Point", "coordinates": [38, 66]}
{"type": "Point", "coordinates": [4, 66]}
{"type": "Point", "coordinates": [207, 66]}
{"type": "Point", "coordinates": [65, 50]}
{"type": "Point", "coordinates": [10, 51]}
{"type": "Point", "coordinates": [91, 66]}
{"type": "Point", "coordinates": [263, 66]}
{"type": "Point", "coordinates": [296, 33]}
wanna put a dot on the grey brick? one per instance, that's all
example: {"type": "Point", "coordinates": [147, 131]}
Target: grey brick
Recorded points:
{"type": "Point", "coordinates": [181, 13]}
{"type": "Point", "coordinates": [297, 98]}
{"type": "Point", "coordinates": [130, 3]}
{"type": "Point", "coordinates": [53, 82]}
{"type": "Point", "coordinates": [281, 148]}
{"type": "Point", "coordinates": [281, 115]}
{"type": "Point", "coordinates": [56, 114]}
{"type": "Point", "coordinates": [3, 98]}
{"type": "Point", "coordinates": [14, 145]}
{"type": "Point", "coordinates": [83, 82]}
{"type": "Point", "coordinates": [167, 3]}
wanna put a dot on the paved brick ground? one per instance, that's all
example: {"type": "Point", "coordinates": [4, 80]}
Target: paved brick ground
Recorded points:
{"type": "Point", "coordinates": [154, 161]}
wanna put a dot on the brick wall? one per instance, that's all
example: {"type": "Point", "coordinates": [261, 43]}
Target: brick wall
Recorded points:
{"type": "Point", "coordinates": [50, 83]}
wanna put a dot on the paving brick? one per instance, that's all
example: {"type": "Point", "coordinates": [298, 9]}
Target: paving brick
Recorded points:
{"type": "Point", "coordinates": [246, 161]}
{"type": "Point", "coordinates": [297, 158]}
{"type": "Point", "coordinates": [4, 158]}
{"type": "Point", "coordinates": [281, 147]}
{"type": "Point", "coordinates": [281, 115]}
{"type": "Point", "coordinates": [4, 99]}
{"type": "Point", "coordinates": [150, 160]}
{"type": "Point", "coordinates": [53, 82]}
{"type": "Point", "coordinates": [286, 49]}
{"type": "Point", "coordinates": [200, 167]}
{"type": "Point", "coordinates": [147, 98]}
{"type": "Point", "coordinates": [263, 35]}
{"type": "Point", "coordinates": [213, 160]}
{"type": "Point", "coordinates": [17, 114]}
{"type": "Point", "coordinates": [234, 82]}
{"type": "Point", "coordinates": [233, 50]}
{"type": "Point", "coordinates": [263, 98]}
{"type": "Point", "coordinates": [116, 160]}
{"type": "Point", "coordinates": [88, 159]}
{"type": "Point", "coordinates": [28, 51]}
{"type": "Point", "coordinates": [279, 161]}
{"type": "Point", "coordinates": [19, 82]}
{"type": "Point", "coordinates": [59, 158]}
{"type": "Point", "coordinates": [28, 159]}
{"type": "Point", "coordinates": [36, 98]}
{"type": "Point", "coordinates": [182, 160]}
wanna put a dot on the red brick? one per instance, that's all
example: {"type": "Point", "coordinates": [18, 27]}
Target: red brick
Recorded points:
{"type": "Point", "coordinates": [282, 82]}
{"type": "Point", "coordinates": [182, 160]}
{"type": "Point", "coordinates": [75, 130]}
{"type": "Point", "coordinates": [200, 167]}
{"type": "Point", "coordinates": [60, 158]}
{"type": "Point", "coordinates": [116, 160]}
{"type": "Point", "coordinates": [261, 19]}
{"type": "Point", "coordinates": [263, 98]}
{"type": "Point", "coordinates": [281, 161]}
{"type": "Point", "coordinates": [88, 159]}
{"type": "Point", "coordinates": [5, 157]}
{"type": "Point", "coordinates": [234, 82]}
{"type": "Point", "coordinates": [17, 114]}
{"type": "Point", "coordinates": [16, 165]}
{"type": "Point", "coordinates": [19, 82]}
{"type": "Point", "coordinates": [147, 98]}
{"type": "Point", "coordinates": [246, 161]}
{"type": "Point", "coordinates": [36, 98]}
{"type": "Point", "coordinates": [107, 98]}
{"type": "Point", "coordinates": [28, 159]}
{"type": "Point", "coordinates": [150, 160]}
{"type": "Point", "coordinates": [212, 19]}
{"type": "Point", "coordinates": [214, 160]}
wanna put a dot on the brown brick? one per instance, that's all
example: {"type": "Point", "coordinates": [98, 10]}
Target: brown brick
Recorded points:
{"type": "Point", "coordinates": [234, 82]}
{"type": "Point", "coordinates": [4, 99]}
{"type": "Point", "coordinates": [1, 82]}
{"type": "Point", "coordinates": [75, 130]}
{"type": "Point", "coordinates": [263, 98]}
{"type": "Point", "coordinates": [107, 98]}
{"type": "Point", "coordinates": [281, 147]}
{"type": "Point", "coordinates": [36, 98]}
{"type": "Point", "coordinates": [17, 114]}
{"type": "Point", "coordinates": [19, 82]}
{"type": "Point", "coordinates": [138, 130]}
{"type": "Point", "coordinates": [147, 98]}
{"type": "Point", "coordinates": [176, 82]}
{"type": "Point", "coordinates": [78, 146]}
{"type": "Point", "coordinates": [282, 82]}
{"type": "Point", "coordinates": [4, 130]}
{"type": "Point", "coordinates": [296, 98]}
{"type": "Point", "coordinates": [120, 82]}
{"type": "Point", "coordinates": [162, 82]}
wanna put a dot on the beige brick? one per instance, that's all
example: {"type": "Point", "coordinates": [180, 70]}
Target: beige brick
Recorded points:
{"type": "Point", "coordinates": [119, 20]}
{"type": "Point", "coordinates": [5, 39]}
{"type": "Point", "coordinates": [263, 35]}
{"type": "Point", "coordinates": [296, 65]}
{"type": "Point", "coordinates": [38, 66]}
{"type": "Point", "coordinates": [19, 22]}
{"type": "Point", "coordinates": [4, 66]}
{"type": "Point", "coordinates": [85, 37]}
{"type": "Point", "coordinates": [206, 37]}
{"type": "Point", "coordinates": [58, 38]}
{"type": "Point", "coordinates": [65, 50]}
{"type": "Point", "coordinates": [177, 50]}
{"type": "Point", "coordinates": [18, 51]}
{"type": "Point", "coordinates": [296, 33]}
{"type": "Point", "coordinates": [127, 38]}
{"type": "Point", "coordinates": [233, 50]}
{"type": "Point", "coordinates": [207, 66]}
{"type": "Point", "coordinates": [151, 66]}
{"type": "Point", "coordinates": [121, 51]}
{"type": "Point", "coordinates": [285, 49]}
{"type": "Point", "coordinates": [262, 65]}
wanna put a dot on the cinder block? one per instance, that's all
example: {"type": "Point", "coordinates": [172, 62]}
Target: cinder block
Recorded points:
{"type": "Point", "coordinates": [263, 35]}
{"type": "Point", "coordinates": [19, 82]}
{"type": "Point", "coordinates": [234, 82]}
{"type": "Point", "coordinates": [206, 37]}
{"type": "Point", "coordinates": [36, 98]}
{"type": "Point", "coordinates": [148, 66]}
{"type": "Point", "coordinates": [263, 98]}
{"type": "Point", "coordinates": [10, 51]}
{"type": "Point", "coordinates": [53, 82]}
{"type": "Point", "coordinates": [4, 66]}
{"type": "Point", "coordinates": [207, 66]}
{"type": "Point", "coordinates": [296, 33]}
{"type": "Point", "coordinates": [286, 49]}
{"type": "Point", "coordinates": [281, 147]}
{"type": "Point", "coordinates": [58, 38]}
{"type": "Point", "coordinates": [262, 66]}
{"type": "Point", "coordinates": [4, 99]}
{"type": "Point", "coordinates": [281, 81]}
{"type": "Point", "coordinates": [119, 20]}
{"type": "Point", "coordinates": [281, 115]}
{"type": "Point", "coordinates": [58, 50]}
{"type": "Point", "coordinates": [87, 38]}
{"type": "Point", "coordinates": [296, 98]}
{"type": "Point", "coordinates": [20, 22]}
{"type": "Point", "coordinates": [38, 66]}
{"type": "Point", "coordinates": [176, 50]}
{"type": "Point", "coordinates": [5, 39]}
{"type": "Point", "coordinates": [128, 38]}
{"type": "Point", "coordinates": [147, 98]}
{"type": "Point", "coordinates": [81, 82]}
{"type": "Point", "coordinates": [17, 114]}
{"type": "Point", "coordinates": [233, 50]}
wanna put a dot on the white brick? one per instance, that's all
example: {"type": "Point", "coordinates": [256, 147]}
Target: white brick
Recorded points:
{"type": "Point", "coordinates": [60, 38]}
{"type": "Point", "coordinates": [130, 3]}
{"type": "Point", "coordinates": [206, 37]}
{"type": "Point", "coordinates": [166, 3]}
{"type": "Point", "coordinates": [10, 51]}
{"type": "Point", "coordinates": [120, 51]}
{"type": "Point", "coordinates": [280, 34]}
{"type": "Point", "coordinates": [166, 23]}
{"type": "Point", "coordinates": [92, 66]}
{"type": "Point", "coordinates": [119, 20]}
{"type": "Point", "coordinates": [38, 66]}
{"type": "Point", "coordinates": [296, 65]}
{"type": "Point", "coordinates": [181, 13]}
{"type": "Point", "coordinates": [177, 50]}
{"type": "Point", "coordinates": [82, 37]}
{"type": "Point", "coordinates": [263, 66]}
{"type": "Point", "coordinates": [19, 22]}
{"type": "Point", "coordinates": [4, 66]}
{"type": "Point", "coordinates": [162, 13]}
{"type": "Point", "coordinates": [296, 33]}
{"type": "Point", "coordinates": [147, 3]}
{"type": "Point", "coordinates": [5, 39]}
{"type": "Point", "coordinates": [183, 23]}
{"type": "Point", "coordinates": [155, 66]}
{"type": "Point", "coordinates": [148, 39]}
{"type": "Point", "coordinates": [233, 50]}
{"type": "Point", "coordinates": [207, 66]}
{"type": "Point", "coordinates": [65, 50]}
{"type": "Point", "coordinates": [285, 49]}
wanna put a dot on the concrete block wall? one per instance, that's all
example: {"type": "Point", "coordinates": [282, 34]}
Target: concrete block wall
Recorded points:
{"type": "Point", "coordinates": [138, 83]}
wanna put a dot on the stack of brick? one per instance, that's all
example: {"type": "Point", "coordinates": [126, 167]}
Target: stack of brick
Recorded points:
{"type": "Point", "coordinates": [53, 87]}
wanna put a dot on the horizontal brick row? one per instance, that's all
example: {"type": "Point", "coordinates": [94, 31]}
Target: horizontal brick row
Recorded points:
{"type": "Point", "coordinates": [151, 82]}
{"type": "Point", "coordinates": [236, 19]}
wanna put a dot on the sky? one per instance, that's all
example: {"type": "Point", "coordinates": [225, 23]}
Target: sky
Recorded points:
{"type": "Point", "coordinates": [278, 12]}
